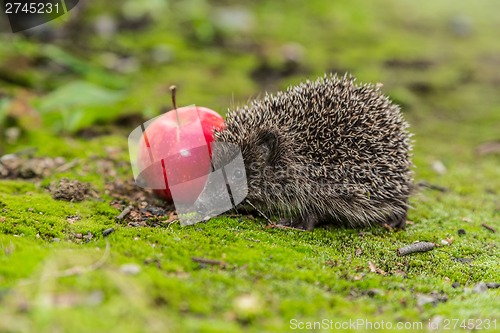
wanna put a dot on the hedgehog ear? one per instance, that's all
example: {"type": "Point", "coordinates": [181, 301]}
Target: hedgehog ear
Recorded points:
{"type": "Point", "coordinates": [269, 142]}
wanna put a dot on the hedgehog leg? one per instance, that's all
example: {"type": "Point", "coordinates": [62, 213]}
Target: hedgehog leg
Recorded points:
{"type": "Point", "coordinates": [396, 221]}
{"type": "Point", "coordinates": [305, 222]}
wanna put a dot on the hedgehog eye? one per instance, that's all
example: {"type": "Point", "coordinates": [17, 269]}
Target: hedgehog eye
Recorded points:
{"type": "Point", "coordinates": [238, 174]}
{"type": "Point", "coordinates": [269, 142]}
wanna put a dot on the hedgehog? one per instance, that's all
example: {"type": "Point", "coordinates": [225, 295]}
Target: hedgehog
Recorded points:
{"type": "Point", "coordinates": [328, 151]}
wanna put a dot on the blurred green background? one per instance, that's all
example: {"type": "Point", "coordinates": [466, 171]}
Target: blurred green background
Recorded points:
{"type": "Point", "coordinates": [104, 60]}
{"type": "Point", "coordinates": [78, 85]}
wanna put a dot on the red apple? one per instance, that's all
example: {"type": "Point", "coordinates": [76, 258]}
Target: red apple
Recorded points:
{"type": "Point", "coordinates": [175, 149]}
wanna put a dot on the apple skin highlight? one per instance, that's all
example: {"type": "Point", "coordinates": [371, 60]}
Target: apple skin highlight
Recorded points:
{"type": "Point", "coordinates": [176, 149]}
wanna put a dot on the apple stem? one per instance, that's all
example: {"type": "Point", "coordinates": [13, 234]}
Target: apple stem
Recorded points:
{"type": "Point", "coordinates": [173, 90]}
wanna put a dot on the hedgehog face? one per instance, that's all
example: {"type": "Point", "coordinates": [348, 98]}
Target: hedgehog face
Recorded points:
{"type": "Point", "coordinates": [263, 154]}
{"type": "Point", "coordinates": [256, 178]}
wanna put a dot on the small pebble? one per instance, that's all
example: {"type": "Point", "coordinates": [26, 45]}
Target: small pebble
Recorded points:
{"type": "Point", "coordinates": [105, 26]}
{"type": "Point", "coordinates": [373, 292]}
{"type": "Point", "coordinates": [461, 26]}
{"type": "Point", "coordinates": [439, 167]}
{"type": "Point", "coordinates": [162, 54]}
{"type": "Point", "coordinates": [492, 285]}
{"type": "Point", "coordinates": [88, 236]}
{"type": "Point", "coordinates": [293, 52]}
{"type": "Point", "coordinates": [480, 288]}
{"type": "Point", "coordinates": [247, 306]}
{"type": "Point", "coordinates": [234, 19]}
{"type": "Point", "coordinates": [455, 284]}
{"type": "Point", "coordinates": [95, 298]}
{"type": "Point", "coordinates": [461, 232]}
{"type": "Point", "coordinates": [131, 269]}
{"type": "Point", "coordinates": [12, 134]}
{"type": "Point", "coordinates": [462, 260]}
{"type": "Point", "coordinates": [425, 299]}
{"type": "Point", "coordinates": [4, 172]}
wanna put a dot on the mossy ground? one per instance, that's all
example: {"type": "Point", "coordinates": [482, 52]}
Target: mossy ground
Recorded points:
{"type": "Point", "coordinates": [439, 61]}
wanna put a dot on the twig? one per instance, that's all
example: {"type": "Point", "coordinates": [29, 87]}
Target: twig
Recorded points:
{"type": "Point", "coordinates": [108, 232]}
{"type": "Point", "coordinates": [68, 166]}
{"type": "Point", "coordinates": [416, 247]}
{"type": "Point", "coordinates": [233, 215]}
{"type": "Point", "coordinates": [492, 147]}
{"type": "Point", "coordinates": [260, 212]}
{"type": "Point", "coordinates": [489, 227]}
{"type": "Point", "coordinates": [208, 261]}
{"type": "Point", "coordinates": [101, 261]}
{"type": "Point", "coordinates": [279, 226]}
{"type": "Point", "coordinates": [77, 270]}
{"type": "Point", "coordinates": [124, 213]}
{"type": "Point", "coordinates": [433, 187]}
{"type": "Point", "coordinates": [462, 260]}
{"type": "Point", "coordinates": [252, 239]}
{"type": "Point", "coordinates": [169, 223]}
